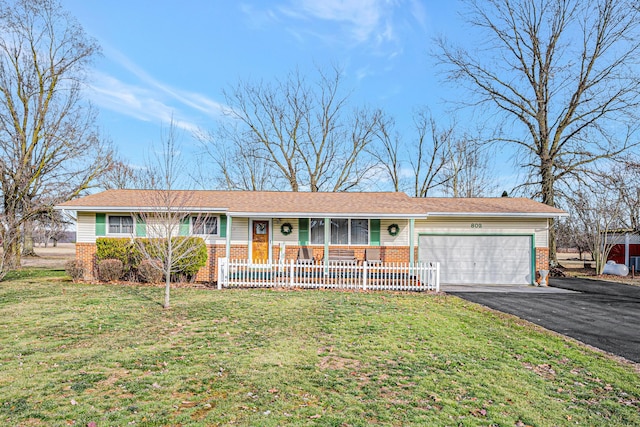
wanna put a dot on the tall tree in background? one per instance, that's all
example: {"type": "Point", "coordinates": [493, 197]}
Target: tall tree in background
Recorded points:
{"type": "Point", "coordinates": [50, 150]}
{"type": "Point", "coordinates": [432, 159]}
{"type": "Point", "coordinates": [121, 176]}
{"type": "Point", "coordinates": [468, 169]}
{"type": "Point", "coordinates": [293, 135]}
{"type": "Point", "coordinates": [564, 71]}
{"type": "Point", "coordinates": [430, 152]}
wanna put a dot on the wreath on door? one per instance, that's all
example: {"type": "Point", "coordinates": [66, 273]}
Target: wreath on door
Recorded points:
{"type": "Point", "coordinates": [286, 228]}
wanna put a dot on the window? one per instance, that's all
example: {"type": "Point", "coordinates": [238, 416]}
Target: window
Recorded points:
{"type": "Point", "coordinates": [343, 231]}
{"type": "Point", "coordinates": [208, 225]}
{"type": "Point", "coordinates": [120, 224]}
{"type": "Point", "coordinates": [316, 227]}
{"type": "Point", "coordinates": [359, 231]}
{"type": "Point", "coordinates": [339, 231]}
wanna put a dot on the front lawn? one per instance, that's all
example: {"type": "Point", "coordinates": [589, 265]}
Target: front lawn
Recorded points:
{"type": "Point", "coordinates": [82, 354]}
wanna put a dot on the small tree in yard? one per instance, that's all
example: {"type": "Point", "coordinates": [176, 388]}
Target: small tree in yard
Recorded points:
{"type": "Point", "coordinates": [167, 215]}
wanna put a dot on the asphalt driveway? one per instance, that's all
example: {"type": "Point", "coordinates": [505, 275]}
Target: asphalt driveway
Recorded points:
{"type": "Point", "coordinates": [602, 314]}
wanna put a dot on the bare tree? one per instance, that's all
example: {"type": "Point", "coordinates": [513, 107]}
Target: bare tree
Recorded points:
{"type": "Point", "coordinates": [597, 212]}
{"type": "Point", "coordinates": [237, 166]}
{"type": "Point", "coordinates": [425, 153]}
{"type": "Point", "coordinates": [564, 72]}
{"type": "Point", "coordinates": [121, 175]}
{"type": "Point", "coordinates": [625, 176]}
{"type": "Point", "coordinates": [571, 234]}
{"type": "Point", "coordinates": [387, 152]}
{"type": "Point", "coordinates": [50, 150]}
{"type": "Point", "coordinates": [430, 154]}
{"type": "Point", "coordinates": [293, 134]}
{"type": "Point", "coordinates": [167, 213]}
{"type": "Point", "coordinates": [50, 227]}
{"type": "Point", "coordinates": [468, 168]}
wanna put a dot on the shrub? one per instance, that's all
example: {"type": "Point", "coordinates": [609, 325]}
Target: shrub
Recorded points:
{"type": "Point", "coordinates": [110, 269]}
{"type": "Point", "coordinates": [75, 269]}
{"type": "Point", "coordinates": [190, 253]}
{"type": "Point", "coordinates": [114, 248]}
{"type": "Point", "coordinates": [150, 270]}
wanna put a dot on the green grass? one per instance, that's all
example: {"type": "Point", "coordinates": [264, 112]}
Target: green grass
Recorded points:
{"type": "Point", "coordinates": [79, 354]}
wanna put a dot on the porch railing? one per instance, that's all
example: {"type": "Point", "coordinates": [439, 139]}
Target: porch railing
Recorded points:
{"type": "Point", "coordinates": [339, 275]}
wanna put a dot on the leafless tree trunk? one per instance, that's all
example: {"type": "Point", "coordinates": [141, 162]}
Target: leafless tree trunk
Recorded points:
{"type": "Point", "coordinates": [293, 134]}
{"type": "Point", "coordinates": [49, 148]}
{"type": "Point", "coordinates": [565, 72]}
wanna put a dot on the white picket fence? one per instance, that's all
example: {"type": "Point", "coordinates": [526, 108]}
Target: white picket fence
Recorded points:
{"type": "Point", "coordinates": [339, 275]}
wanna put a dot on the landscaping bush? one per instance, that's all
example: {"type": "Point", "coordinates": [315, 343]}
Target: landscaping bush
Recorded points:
{"type": "Point", "coordinates": [118, 248]}
{"type": "Point", "coordinates": [110, 269]}
{"type": "Point", "coordinates": [75, 269]}
{"type": "Point", "coordinates": [114, 248]}
{"type": "Point", "coordinates": [150, 271]}
{"type": "Point", "coordinates": [190, 254]}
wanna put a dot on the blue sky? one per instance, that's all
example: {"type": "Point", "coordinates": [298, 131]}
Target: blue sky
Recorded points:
{"type": "Point", "coordinates": [164, 59]}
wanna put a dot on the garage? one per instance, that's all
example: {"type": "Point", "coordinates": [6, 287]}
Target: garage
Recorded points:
{"type": "Point", "coordinates": [480, 259]}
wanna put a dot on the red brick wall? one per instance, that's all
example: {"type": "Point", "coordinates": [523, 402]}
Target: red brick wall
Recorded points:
{"type": "Point", "coordinates": [542, 259]}
{"type": "Point", "coordinates": [86, 252]}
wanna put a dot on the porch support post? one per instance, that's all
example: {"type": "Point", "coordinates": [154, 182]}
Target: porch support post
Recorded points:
{"type": "Point", "coordinates": [412, 243]}
{"type": "Point", "coordinates": [227, 252]}
{"type": "Point", "coordinates": [327, 238]}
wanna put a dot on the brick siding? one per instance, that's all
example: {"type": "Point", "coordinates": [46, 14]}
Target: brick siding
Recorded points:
{"type": "Point", "coordinates": [86, 252]}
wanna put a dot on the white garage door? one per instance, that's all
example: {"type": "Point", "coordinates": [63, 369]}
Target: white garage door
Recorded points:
{"type": "Point", "coordinates": [483, 260]}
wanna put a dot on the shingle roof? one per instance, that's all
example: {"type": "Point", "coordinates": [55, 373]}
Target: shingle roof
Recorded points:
{"type": "Point", "coordinates": [259, 202]}
{"type": "Point", "coordinates": [383, 204]}
{"type": "Point", "coordinates": [486, 205]}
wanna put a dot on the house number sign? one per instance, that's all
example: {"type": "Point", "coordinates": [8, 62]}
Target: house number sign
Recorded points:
{"type": "Point", "coordinates": [476, 225]}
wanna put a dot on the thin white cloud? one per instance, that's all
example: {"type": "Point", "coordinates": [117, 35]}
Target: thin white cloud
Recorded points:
{"type": "Point", "coordinates": [194, 100]}
{"type": "Point", "coordinates": [149, 99]}
{"type": "Point", "coordinates": [361, 16]}
{"type": "Point", "coordinates": [134, 101]}
{"type": "Point", "coordinates": [358, 20]}
{"type": "Point", "coordinates": [380, 25]}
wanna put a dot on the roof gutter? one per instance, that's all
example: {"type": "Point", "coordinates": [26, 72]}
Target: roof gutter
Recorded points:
{"type": "Point", "coordinates": [499, 214]}
{"type": "Point", "coordinates": [324, 215]}
{"type": "Point", "coordinates": [185, 209]}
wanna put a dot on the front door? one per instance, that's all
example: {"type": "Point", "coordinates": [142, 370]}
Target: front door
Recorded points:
{"type": "Point", "coordinates": [260, 241]}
